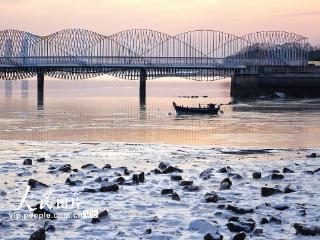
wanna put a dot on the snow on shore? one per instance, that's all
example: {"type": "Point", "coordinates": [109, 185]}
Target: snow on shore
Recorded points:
{"type": "Point", "coordinates": [144, 205]}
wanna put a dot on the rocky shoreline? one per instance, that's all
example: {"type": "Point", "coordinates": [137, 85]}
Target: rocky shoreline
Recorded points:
{"type": "Point", "coordinates": [146, 191]}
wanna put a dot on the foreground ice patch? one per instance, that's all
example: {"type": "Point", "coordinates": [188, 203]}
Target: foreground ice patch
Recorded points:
{"type": "Point", "coordinates": [108, 177]}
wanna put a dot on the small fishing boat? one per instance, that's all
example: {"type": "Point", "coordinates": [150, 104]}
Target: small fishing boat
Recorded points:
{"type": "Point", "coordinates": [210, 109]}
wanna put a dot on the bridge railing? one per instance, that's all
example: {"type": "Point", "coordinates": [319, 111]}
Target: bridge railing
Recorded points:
{"type": "Point", "coordinates": [172, 62]}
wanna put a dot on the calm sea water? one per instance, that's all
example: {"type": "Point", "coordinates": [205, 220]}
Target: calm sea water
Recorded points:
{"type": "Point", "coordinates": [108, 109]}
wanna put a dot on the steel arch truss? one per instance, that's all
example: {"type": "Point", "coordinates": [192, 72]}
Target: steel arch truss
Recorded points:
{"type": "Point", "coordinates": [199, 54]}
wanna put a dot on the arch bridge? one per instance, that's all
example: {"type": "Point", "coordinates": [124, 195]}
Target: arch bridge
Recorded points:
{"type": "Point", "coordinates": [143, 53]}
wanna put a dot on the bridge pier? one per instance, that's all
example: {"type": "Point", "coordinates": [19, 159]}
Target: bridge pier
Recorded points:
{"type": "Point", "coordinates": [142, 87]}
{"type": "Point", "coordinates": [40, 89]}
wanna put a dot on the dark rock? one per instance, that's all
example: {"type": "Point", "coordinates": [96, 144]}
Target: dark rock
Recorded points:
{"type": "Point", "coordinates": [27, 161]}
{"type": "Point", "coordinates": [126, 171]}
{"type": "Point", "coordinates": [276, 176]}
{"type": "Point", "coordinates": [148, 231]}
{"type": "Point", "coordinates": [306, 230]}
{"type": "Point", "coordinates": [204, 227]}
{"type": "Point", "coordinates": [75, 170]}
{"type": "Point", "coordinates": [166, 191]}
{"type": "Point", "coordinates": [163, 165]}
{"type": "Point", "coordinates": [206, 174]}
{"type": "Point", "coordinates": [154, 219]}
{"type": "Point", "coordinates": [275, 220]}
{"type": "Point", "coordinates": [312, 155]}
{"type": "Point", "coordinates": [101, 215]}
{"type": "Point", "coordinates": [65, 168]}
{"type": "Point", "coordinates": [317, 170]}
{"type": "Point", "coordinates": [41, 160]}
{"type": "Point", "coordinates": [40, 234]}
{"type": "Point", "coordinates": [191, 188]}
{"type": "Point", "coordinates": [24, 173]}
{"type": "Point", "coordinates": [239, 210]}
{"type": "Point", "coordinates": [88, 166]}
{"type": "Point", "coordinates": [175, 196]}
{"type": "Point", "coordinates": [239, 236]}
{"type": "Point", "coordinates": [224, 169]}
{"type": "Point", "coordinates": [107, 166]}
{"type": "Point", "coordinates": [287, 170]}
{"type": "Point", "coordinates": [141, 177]}
{"type": "Point", "coordinates": [111, 187]}
{"type": "Point", "coordinates": [275, 171]}
{"type": "Point", "coordinates": [45, 212]}
{"type": "Point", "coordinates": [267, 192]}
{"type": "Point", "coordinates": [302, 212]}
{"type": "Point", "coordinates": [225, 184]}
{"type": "Point", "coordinates": [73, 182]}
{"type": "Point", "coordinates": [35, 184]}
{"type": "Point", "coordinates": [258, 232]}
{"type": "Point", "coordinates": [50, 228]}
{"type": "Point", "coordinates": [135, 178]}
{"type": "Point", "coordinates": [120, 180]}
{"type": "Point", "coordinates": [157, 171]}
{"type": "Point", "coordinates": [221, 206]}
{"type": "Point", "coordinates": [236, 224]}
{"type": "Point", "coordinates": [288, 189]}
{"type": "Point", "coordinates": [267, 204]}
{"type": "Point", "coordinates": [264, 221]}
{"type": "Point", "coordinates": [270, 220]}
{"type": "Point", "coordinates": [256, 175]}
{"type": "Point", "coordinates": [89, 190]}
{"type": "Point", "coordinates": [281, 207]}
{"type": "Point", "coordinates": [212, 197]}
{"type": "Point", "coordinates": [98, 180]}
{"type": "Point", "coordinates": [186, 183]}
{"type": "Point", "coordinates": [171, 169]}
{"type": "Point", "coordinates": [120, 233]}
{"type": "Point", "coordinates": [176, 177]}
{"type": "Point", "coordinates": [216, 236]}
{"type": "Point", "coordinates": [235, 176]}
{"type": "Point", "coordinates": [129, 183]}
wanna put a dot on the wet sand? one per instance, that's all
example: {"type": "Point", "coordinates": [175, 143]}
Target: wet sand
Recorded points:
{"type": "Point", "coordinates": [224, 137]}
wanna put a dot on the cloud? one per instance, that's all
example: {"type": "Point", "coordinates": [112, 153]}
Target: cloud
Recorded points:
{"type": "Point", "coordinates": [300, 14]}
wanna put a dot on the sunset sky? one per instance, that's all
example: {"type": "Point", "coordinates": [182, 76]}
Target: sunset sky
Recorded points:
{"type": "Point", "coordinates": [43, 17]}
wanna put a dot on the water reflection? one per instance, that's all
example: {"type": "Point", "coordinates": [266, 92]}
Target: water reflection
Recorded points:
{"type": "Point", "coordinates": [96, 110]}
{"type": "Point", "coordinates": [40, 102]}
{"type": "Point", "coordinates": [8, 88]}
{"type": "Point", "coordinates": [24, 88]}
{"type": "Point", "coordinates": [143, 111]}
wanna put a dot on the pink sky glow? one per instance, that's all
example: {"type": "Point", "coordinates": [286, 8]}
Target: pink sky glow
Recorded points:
{"type": "Point", "coordinates": [239, 17]}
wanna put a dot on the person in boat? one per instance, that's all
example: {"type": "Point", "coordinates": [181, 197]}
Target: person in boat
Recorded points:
{"type": "Point", "coordinates": [213, 106]}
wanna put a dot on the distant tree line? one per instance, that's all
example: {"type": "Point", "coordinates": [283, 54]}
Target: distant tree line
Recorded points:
{"type": "Point", "coordinates": [314, 54]}
{"type": "Point", "coordinates": [259, 51]}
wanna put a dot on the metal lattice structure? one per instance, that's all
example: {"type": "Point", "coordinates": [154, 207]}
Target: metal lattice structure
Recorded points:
{"type": "Point", "coordinates": [199, 54]}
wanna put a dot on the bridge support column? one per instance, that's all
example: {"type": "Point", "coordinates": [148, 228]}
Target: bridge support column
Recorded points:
{"type": "Point", "coordinates": [40, 89]}
{"type": "Point", "coordinates": [142, 89]}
